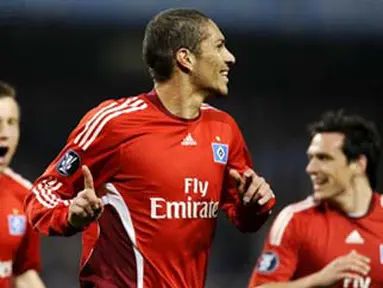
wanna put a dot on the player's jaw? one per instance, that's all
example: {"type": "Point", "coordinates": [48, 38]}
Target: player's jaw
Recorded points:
{"type": "Point", "coordinates": [222, 82]}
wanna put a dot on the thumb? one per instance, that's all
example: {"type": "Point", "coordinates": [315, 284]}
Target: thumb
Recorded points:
{"type": "Point", "coordinates": [88, 178]}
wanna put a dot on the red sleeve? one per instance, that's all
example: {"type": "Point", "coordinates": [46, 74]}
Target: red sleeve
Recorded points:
{"type": "Point", "coordinates": [28, 254]}
{"type": "Point", "coordinates": [95, 143]}
{"type": "Point", "coordinates": [245, 218]}
{"type": "Point", "coordinates": [279, 258]}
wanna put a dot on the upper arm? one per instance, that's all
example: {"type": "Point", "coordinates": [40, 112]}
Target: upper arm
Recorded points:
{"type": "Point", "coordinates": [279, 257]}
{"type": "Point", "coordinates": [240, 159]}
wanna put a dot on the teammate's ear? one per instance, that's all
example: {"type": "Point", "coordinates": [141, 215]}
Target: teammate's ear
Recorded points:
{"type": "Point", "coordinates": [185, 59]}
{"type": "Point", "coordinates": [359, 166]}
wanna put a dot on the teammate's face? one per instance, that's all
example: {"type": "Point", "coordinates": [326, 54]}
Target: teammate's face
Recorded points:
{"type": "Point", "coordinates": [328, 168]}
{"type": "Point", "coordinates": [211, 69]}
{"type": "Point", "coordinates": [9, 130]}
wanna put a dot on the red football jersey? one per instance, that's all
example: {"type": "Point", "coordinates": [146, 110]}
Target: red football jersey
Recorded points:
{"type": "Point", "coordinates": [19, 244]}
{"type": "Point", "coordinates": [164, 180]}
{"type": "Point", "coordinates": [307, 236]}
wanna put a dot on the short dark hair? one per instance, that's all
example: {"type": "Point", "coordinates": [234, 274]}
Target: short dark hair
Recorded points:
{"type": "Point", "coordinates": [166, 33]}
{"type": "Point", "coordinates": [6, 90]}
{"type": "Point", "coordinates": [361, 138]}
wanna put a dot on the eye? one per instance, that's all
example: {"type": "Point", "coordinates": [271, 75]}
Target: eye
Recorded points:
{"type": "Point", "coordinates": [13, 121]}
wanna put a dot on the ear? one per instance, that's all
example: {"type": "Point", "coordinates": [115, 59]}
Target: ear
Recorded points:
{"type": "Point", "coordinates": [359, 166]}
{"type": "Point", "coordinates": [185, 59]}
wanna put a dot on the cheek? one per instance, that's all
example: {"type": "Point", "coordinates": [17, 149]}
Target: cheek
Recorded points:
{"type": "Point", "coordinates": [14, 136]}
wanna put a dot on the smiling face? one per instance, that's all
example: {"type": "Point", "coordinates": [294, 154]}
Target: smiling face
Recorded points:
{"type": "Point", "coordinates": [9, 130]}
{"type": "Point", "coordinates": [330, 172]}
{"type": "Point", "coordinates": [211, 67]}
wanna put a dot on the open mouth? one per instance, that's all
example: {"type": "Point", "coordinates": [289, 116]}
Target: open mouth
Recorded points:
{"type": "Point", "coordinates": [3, 152]}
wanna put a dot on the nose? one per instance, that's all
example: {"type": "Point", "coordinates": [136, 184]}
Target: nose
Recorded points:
{"type": "Point", "coordinates": [4, 131]}
{"type": "Point", "coordinates": [230, 58]}
{"type": "Point", "coordinates": [311, 167]}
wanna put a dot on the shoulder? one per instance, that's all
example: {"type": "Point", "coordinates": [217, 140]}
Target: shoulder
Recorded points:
{"type": "Point", "coordinates": [113, 108]}
{"type": "Point", "coordinates": [20, 185]}
{"type": "Point", "coordinates": [108, 118]}
{"type": "Point", "coordinates": [290, 215]}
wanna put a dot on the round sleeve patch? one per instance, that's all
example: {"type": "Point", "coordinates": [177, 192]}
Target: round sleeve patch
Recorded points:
{"type": "Point", "coordinates": [268, 262]}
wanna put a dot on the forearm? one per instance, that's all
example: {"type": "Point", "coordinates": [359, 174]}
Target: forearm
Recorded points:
{"type": "Point", "coordinates": [304, 282]}
{"type": "Point", "coordinates": [29, 279]}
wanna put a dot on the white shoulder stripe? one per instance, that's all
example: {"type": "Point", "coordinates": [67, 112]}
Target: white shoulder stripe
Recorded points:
{"type": "Point", "coordinates": [87, 125]}
{"type": "Point", "coordinates": [136, 106]}
{"type": "Point", "coordinates": [95, 120]}
{"type": "Point", "coordinates": [94, 125]}
{"type": "Point", "coordinates": [284, 218]}
{"type": "Point", "coordinates": [18, 178]}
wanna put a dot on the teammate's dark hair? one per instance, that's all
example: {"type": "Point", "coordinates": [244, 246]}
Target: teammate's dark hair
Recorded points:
{"type": "Point", "coordinates": [361, 138]}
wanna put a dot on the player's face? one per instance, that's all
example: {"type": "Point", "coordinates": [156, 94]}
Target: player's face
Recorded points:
{"type": "Point", "coordinates": [9, 130]}
{"type": "Point", "coordinates": [211, 69]}
{"type": "Point", "coordinates": [328, 167]}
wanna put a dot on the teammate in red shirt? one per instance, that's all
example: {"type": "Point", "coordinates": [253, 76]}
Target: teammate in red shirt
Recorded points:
{"type": "Point", "coordinates": [162, 163]}
{"type": "Point", "coordinates": [334, 238]}
{"type": "Point", "coordinates": [19, 244]}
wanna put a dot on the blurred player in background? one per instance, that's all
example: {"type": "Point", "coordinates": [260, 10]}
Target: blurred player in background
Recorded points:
{"type": "Point", "coordinates": [159, 166]}
{"type": "Point", "coordinates": [334, 238]}
{"type": "Point", "coordinates": [19, 244]}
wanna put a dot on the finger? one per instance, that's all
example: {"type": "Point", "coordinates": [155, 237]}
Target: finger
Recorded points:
{"type": "Point", "coordinates": [267, 194]}
{"type": "Point", "coordinates": [89, 211]}
{"type": "Point", "coordinates": [357, 266]}
{"type": "Point", "coordinates": [238, 179]}
{"type": "Point", "coordinates": [252, 193]}
{"type": "Point", "coordinates": [78, 211]}
{"type": "Point", "coordinates": [81, 202]}
{"type": "Point", "coordinates": [362, 257]}
{"type": "Point", "coordinates": [88, 178]}
{"type": "Point", "coordinates": [92, 198]}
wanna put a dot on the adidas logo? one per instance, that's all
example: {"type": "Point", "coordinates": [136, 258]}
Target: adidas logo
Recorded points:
{"type": "Point", "coordinates": [188, 141]}
{"type": "Point", "coordinates": [354, 238]}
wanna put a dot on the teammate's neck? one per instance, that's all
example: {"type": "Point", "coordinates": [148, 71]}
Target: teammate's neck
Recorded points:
{"type": "Point", "coordinates": [179, 98]}
{"type": "Point", "coordinates": [356, 201]}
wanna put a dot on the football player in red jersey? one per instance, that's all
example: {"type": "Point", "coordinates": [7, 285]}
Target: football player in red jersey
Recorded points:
{"type": "Point", "coordinates": [334, 238]}
{"type": "Point", "coordinates": [144, 177]}
{"type": "Point", "coordinates": [19, 244]}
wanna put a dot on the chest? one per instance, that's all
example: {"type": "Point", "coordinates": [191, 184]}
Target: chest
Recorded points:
{"type": "Point", "coordinates": [12, 226]}
{"type": "Point", "coordinates": [339, 237]}
{"type": "Point", "coordinates": [189, 159]}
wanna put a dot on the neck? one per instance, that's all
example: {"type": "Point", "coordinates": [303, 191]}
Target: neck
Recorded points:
{"type": "Point", "coordinates": [356, 200]}
{"type": "Point", "coordinates": [180, 98]}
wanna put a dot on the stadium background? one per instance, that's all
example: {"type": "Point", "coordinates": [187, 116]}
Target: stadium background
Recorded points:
{"type": "Point", "coordinates": [295, 59]}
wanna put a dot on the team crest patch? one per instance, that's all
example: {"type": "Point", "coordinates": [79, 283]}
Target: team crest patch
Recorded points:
{"type": "Point", "coordinates": [69, 163]}
{"type": "Point", "coordinates": [220, 152]}
{"type": "Point", "coordinates": [267, 262]}
{"type": "Point", "coordinates": [17, 224]}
